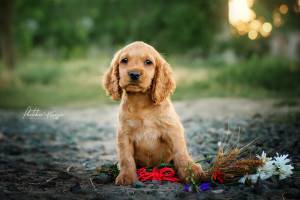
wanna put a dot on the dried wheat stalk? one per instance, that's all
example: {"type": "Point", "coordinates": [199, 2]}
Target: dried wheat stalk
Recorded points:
{"type": "Point", "coordinates": [237, 169]}
{"type": "Point", "coordinates": [230, 157]}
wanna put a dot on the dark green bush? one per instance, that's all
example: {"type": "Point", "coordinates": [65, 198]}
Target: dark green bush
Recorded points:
{"type": "Point", "coordinates": [273, 73]}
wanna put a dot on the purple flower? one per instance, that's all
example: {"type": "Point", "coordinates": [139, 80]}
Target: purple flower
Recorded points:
{"type": "Point", "coordinates": [204, 186]}
{"type": "Point", "coordinates": [188, 188]}
{"type": "Point", "coordinates": [201, 188]}
{"type": "Point", "coordinates": [108, 173]}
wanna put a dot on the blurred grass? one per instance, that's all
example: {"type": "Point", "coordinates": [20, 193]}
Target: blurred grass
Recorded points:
{"type": "Point", "coordinates": [46, 83]}
{"type": "Point", "coordinates": [53, 83]}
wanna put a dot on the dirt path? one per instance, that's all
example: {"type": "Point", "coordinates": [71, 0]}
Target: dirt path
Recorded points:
{"type": "Point", "coordinates": [54, 159]}
{"type": "Point", "coordinates": [219, 108]}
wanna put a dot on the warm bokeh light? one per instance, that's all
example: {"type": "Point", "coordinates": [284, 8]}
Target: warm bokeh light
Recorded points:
{"type": "Point", "coordinates": [243, 19]}
{"type": "Point", "coordinates": [283, 8]}
{"type": "Point", "coordinates": [277, 19]}
{"type": "Point", "coordinates": [297, 7]}
{"type": "Point", "coordinates": [267, 27]}
{"type": "Point", "coordinates": [241, 27]}
{"type": "Point", "coordinates": [252, 34]}
{"type": "Point", "coordinates": [255, 24]}
{"type": "Point", "coordinates": [239, 10]}
{"type": "Point", "coordinates": [264, 34]}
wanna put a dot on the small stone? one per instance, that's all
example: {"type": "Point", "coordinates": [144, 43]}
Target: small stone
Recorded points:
{"type": "Point", "coordinates": [103, 179]}
{"type": "Point", "coordinates": [218, 191]}
{"type": "Point", "coordinates": [48, 184]}
{"type": "Point", "coordinates": [90, 169]}
{"type": "Point", "coordinates": [64, 175]}
{"type": "Point", "coordinates": [138, 184]}
{"type": "Point", "coordinates": [256, 116]}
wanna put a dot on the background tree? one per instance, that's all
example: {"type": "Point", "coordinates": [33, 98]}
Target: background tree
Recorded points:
{"type": "Point", "coordinates": [7, 45]}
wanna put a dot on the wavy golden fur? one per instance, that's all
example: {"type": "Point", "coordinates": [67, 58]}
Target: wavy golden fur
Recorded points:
{"type": "Point", "coordinates": [149, 128]}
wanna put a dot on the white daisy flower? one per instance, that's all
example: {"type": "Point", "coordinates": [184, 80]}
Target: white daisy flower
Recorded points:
{"type": "Point", "coordinates": [283, 170]}
{"type": "Point", "coordinates": [264, 173]}
{"type": "Point", "coordinates": [243, 179]}
{"type": "Point", "coordinates": [264, 157]}
{"type": "Point", "coordinates": [271, 167]}
{"type": "Point", "coordinates": [281, 160]}
{"type": "Point", "coordinates": [253, 178]}
{"type": "Point", "coordinates": [267, 170]}
{"type": "Point", "coordinates": [250, 177]}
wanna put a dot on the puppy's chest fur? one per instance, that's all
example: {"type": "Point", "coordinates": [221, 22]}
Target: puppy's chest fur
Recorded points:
{"type": "Point", "coordinates": [149, 138]}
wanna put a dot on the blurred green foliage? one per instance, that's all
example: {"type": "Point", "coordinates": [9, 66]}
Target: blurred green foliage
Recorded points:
{"type": "Point", "coordinates": [41, 73]}
{"type": "Point", "coordinates": [270, 72]}
{"type": "Point", "coordinates": [266, 77]}
{"type": "Point", "coordinates": [67, 28]}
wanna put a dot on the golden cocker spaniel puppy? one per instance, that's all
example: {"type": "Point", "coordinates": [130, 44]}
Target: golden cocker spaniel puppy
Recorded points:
{"type": "Point", "coordinates": [149, 128]}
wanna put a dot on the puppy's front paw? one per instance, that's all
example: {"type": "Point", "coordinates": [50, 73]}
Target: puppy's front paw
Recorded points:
{"type": "Point", "coordinates": [196, 169]}
{"type": "Point", "coordinates": [126, 178]}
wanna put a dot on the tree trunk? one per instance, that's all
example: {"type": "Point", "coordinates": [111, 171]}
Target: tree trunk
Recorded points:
{"type": "Point", "coordinates": [7, 50]}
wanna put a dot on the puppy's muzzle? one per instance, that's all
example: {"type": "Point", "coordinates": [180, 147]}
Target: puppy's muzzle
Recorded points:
{"type": "Point", "coordinates": [134, 75]}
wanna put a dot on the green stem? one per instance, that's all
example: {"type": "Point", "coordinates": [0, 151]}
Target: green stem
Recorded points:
{"type": "Point", "coordinates": [204, 159]}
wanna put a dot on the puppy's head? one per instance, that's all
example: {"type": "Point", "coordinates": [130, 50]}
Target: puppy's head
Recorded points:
{"type": "Point", "coordinates": [138, 67]}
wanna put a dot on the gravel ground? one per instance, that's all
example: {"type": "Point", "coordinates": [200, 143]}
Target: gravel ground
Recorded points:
{"type": "Point", "coordinates": [54, 159]}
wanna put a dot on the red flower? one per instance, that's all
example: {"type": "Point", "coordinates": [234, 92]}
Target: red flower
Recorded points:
{"type": "Point", "coordinates": [219, 176]}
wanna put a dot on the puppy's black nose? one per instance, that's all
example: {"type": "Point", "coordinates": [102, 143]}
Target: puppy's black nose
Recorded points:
{"type": "Point", "coordinates": [134, 75]}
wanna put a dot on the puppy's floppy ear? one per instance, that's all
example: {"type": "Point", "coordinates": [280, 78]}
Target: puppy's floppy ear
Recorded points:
{"type": "Point", "coordinates": [163, 82]}
{"type": "Point", "coordinates": [111, 79]}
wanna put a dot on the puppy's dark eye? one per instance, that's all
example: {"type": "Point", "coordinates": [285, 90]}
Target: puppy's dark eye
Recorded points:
{"type": "Point", "coordinates": [148, 62]}
{"type": "Point", "coordinates": [124, 61]}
